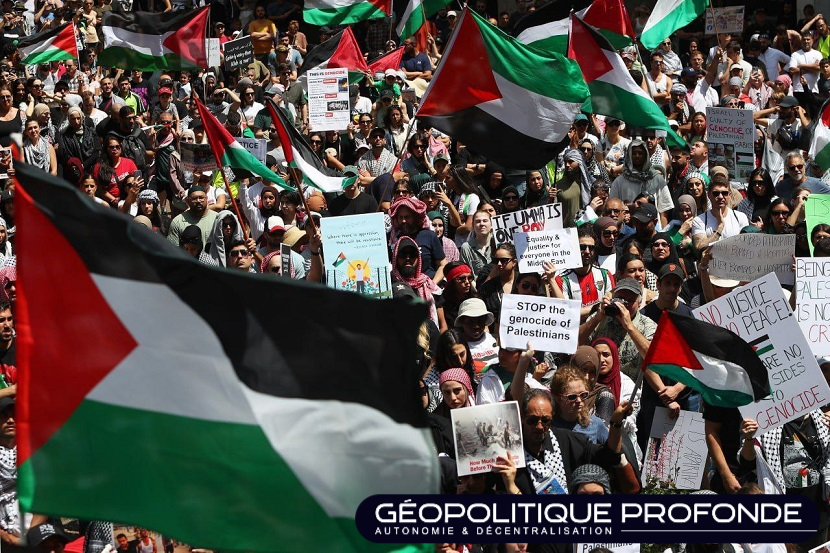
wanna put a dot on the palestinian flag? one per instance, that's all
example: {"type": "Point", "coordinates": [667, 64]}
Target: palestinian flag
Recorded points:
{"type": "Point", "coordinates": [392, 60]}
{"type": "Point", "coordinates": [341, 50]}
{"type": "Point", "coordinates": [510, 102]}
{"type": "Point", "coordinates": [230, 153]}
{"type": "Point", "coordinates": [668, 16]}
{"type": "Point", "coordinates": [712, 360]}
{"type": "Point", "coordinates": [547, 28]}
{"type": "Point", "coordinates": [298, 154]}
{"type": "Point", "coordinates": [344, 12]}
{"type": "Point", "coordinates": [152, 41]}
{"type": "Point", "coordinates": [613, 90]}
{"type": "Point", "coordinates": [340, 259]}
{"type": "Point", "coordinates": [53, 45]}
{"type": "Point", "coordinates": [820, 144]}
{"type": "Point", "coordinates": [221, 425]}
{"type": "Point", "coordinates": [762, 345]}
{"type": "Point", "coordinates": [416, 14]}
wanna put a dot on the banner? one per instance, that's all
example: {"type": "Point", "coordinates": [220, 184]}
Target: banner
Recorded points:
{"type": "Point", "coordinates": [812, 296]}
{"type": "Point", "coordinates": [560, 247]}
{"type": "Point", "coordinates": [197, 157]}
{"type": "Point", "coordinates": [484, 432]}
{"type": "Point", "coordinates": [727, 20]}
{"type": "Point", "coordinates": [731, 141]}
{"type": "Point", "coordinates": [356, 255]}
{"type": "Point", "coordinates": [328, 99]}
{"type": "Point", "coordinates": [544, 217]}
{"type": "Point", "coordinates": [748, 257]}
{"type": "Point", "coordinates": [816, 210]}
{"type": "Point", "coordinates": [550, 324]}
{"type": "Point", "coordinates": [257, 146]}
{"type": "Point", "coordinates": [676, 451]}
{"type": "Point", "coordinates": [238, 53]}
{"type": "Point", "coordinates": [760, 314]}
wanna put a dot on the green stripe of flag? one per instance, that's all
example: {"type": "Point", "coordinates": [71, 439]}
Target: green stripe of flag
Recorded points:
{"type": "Point", "coordinates": [417, 11]}
{"type": "Point", "coordinates": [713, 396]}
{"type": "Point", "coordinates": [237, 156]}
{"type": "Point", "coordinates": [344, 15]}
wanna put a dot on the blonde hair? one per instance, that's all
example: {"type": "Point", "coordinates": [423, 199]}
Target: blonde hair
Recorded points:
{"type": "Point", "coordinates": [561, 378]}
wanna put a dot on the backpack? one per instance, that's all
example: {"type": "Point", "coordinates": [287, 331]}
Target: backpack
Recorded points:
{"type": "Point", "coordinates": [132, 147]}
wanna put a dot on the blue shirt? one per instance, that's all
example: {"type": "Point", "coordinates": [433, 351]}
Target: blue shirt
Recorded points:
{"type": "Point", "coordinates": [784, 189]}
{"type": "Point", "coordinates": [596, 431]}
{"type": "Point", "coordinates": [418, 63]}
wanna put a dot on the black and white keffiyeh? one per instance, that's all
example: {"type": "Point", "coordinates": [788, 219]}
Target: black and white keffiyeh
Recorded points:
{"type": "Point", "coordinates": [771, 445]}
{"type": "Point", "coordinates": [550, 468]}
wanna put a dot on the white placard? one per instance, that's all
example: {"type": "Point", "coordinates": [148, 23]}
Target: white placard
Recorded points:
{"type": "Point", "coordinates": [748, 257]}
{"type": "Point", "coordinates": [484, 432]}
{"type": "Point", "coordinates": [256, 146]}
{"type": "Point", "coordinates": [560, 247]}
{"type": "Point", "coordinates": [730, 139]}
{"type": "Point", "coordinates": [812, 297]}
{"type": "Point", "coordinates": [760, 314]}
{"type": "Point", "coordinates": [550, 324]}
{"type": "Point", "coordinates": [328, 99]}
{"type": "Point", "coordinates": [212, 48]}
{"type": "Point", "coordinates": [676, 450]}
{"type": "Point", "coordinates": [544, 217]}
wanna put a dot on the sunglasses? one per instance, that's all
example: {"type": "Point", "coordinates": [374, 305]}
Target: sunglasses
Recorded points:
{"type": "Point", "coordinates": [798, 167]}
{"type": "Point", "coordinates": [401, 193]}
{"type": "Point", "coordinates": [529, 286]}
{"type": "Point", "coordinates": [660, 245]}
{"type": "Point", "coordinates": [533, 420]}
{"type": "Point", "coordinates": [610, 233]}
{"type": "Point", "coordinates": [717, 193]}
{"type": "Point", "coordinates": [587, 149]}
{"type": "Point", "coordinates": [503, 260]}
{"type": "Point", "coordinates": [239, 253]}
{"type": "Point", "coordinates": [573, 397]}
{"type": "Point", "coordinates": [780, 213]}
{"type": "Point", "coordinates": [587, 247]}
{"type": "Point", "coordinates": [758, 183]}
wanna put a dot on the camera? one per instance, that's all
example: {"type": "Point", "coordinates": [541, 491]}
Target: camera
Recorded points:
{"type": "Point", "coordinates": [613, 309]}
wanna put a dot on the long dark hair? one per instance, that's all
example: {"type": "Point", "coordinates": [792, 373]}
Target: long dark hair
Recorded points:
{"type": "Point", "coordinates": [443, 351]}
{"type": "Point", "coordinates": [106, 170]}
{"type": "Point", "coordinates": [462, 179]}
{"type": "Point", "coordinates": [769, 228]}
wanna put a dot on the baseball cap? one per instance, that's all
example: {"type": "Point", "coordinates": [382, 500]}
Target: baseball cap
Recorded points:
{"type": "Point", "coordinates": [788, 102]}
{"type": "Point", "coordinates": [6, 402]}
{"type": "Point", "coordinates": [376, 130]}
{"type": "Point", "coordinates": [671, 269]}
{"type": "Point", "coordinates": [326, 30]}
{"type": "Point", "coordinates": [42, 532]}
{"type": "Point", "coordinates": [390, 73]}
{"type": "Point", "coordinates": [719, 172]}
{"type": "Point", "coordinates": [646, 213]}
{"type": "Point", "coordinates": [403, 290]}
{"type": "Point", "coordinates": [275, 223]}
{"type": "Point", "coordinates": [629, 284]}
{"type": "Point", "coordinates": [386, 94]}
{"type": "Point", "coordinates": [688, 73]}
{"type": "Point", "coordinates": [452, 13]}
{"type": "Point", "coordinates": [736, 81]}
{"type": "Point", "coordinates": [580, 117]}
{"type": "Point", "coordinates": [441, 156]}
{"type": "Point", "coordinates": [350, 170]}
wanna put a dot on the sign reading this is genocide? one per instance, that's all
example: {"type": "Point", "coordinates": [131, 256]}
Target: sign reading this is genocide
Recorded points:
{"type": "Point", "coordinates": [328, 99]}
{"type": "Point", "coordinates": [747, 257]}
{"type": "Point", "coordinates": [812, 296]}
{"type": "Point", "coordinates": [760, 314]}
{"type": "Point", "coordinates": [560, 247]}
{"type": "Point", "coordinates": [550, 324]}
{"type": "Point", "coordinates": [239, 53]}
{"type": "Point", "coordinates": [544, 217]}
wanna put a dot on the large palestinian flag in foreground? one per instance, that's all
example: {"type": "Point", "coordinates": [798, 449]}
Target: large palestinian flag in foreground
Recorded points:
{"type": "Point", "coordinates": [153, 41]}
{"type": "Point", "coordinates": [712, 360]}
{"type": "Point", "coordinates": [341, 50]}
{"type": "Point", "coordinates": [52, 45]}
{"type": "Point", "coordinates": [344, 12]}
{"type": "Point", "coordinates": [547, 27]}
{"type": "Point", "coordinates": [510, 102]}
{"type": "Point", "coordinates": [224, 426]}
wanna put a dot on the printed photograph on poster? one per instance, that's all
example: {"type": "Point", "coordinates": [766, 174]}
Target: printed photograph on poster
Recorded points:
{"type": "Point", "coordinates": [355, 253]}
{"type": "Point", "coordinates": [731, 140]}
{"type": "Point", "coordinates": [676, 452]}
{"type": "Point", "coordinates": [197, 157]}
{"type": "Point", "coordinates": [812, 297]}
{"type": "Point", "coordinates": [729, 19]}
{"type": "Point", "coordinates": [483, 433]}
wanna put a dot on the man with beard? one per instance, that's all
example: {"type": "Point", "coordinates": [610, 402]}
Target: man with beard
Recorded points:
{"type": "Point", "coordinates": [720, 221]}
{"type": "Point", "coordinates": [639, 177]}
{"type": "Point", "coordinates": [588, 283]}
{"type": "Point", "coordinates": [197, 214]}
{"type": "Point", "coordinates": [168, 171]}
{"type": "Point", "coordinates": [79, 140]}
{"type": "Point", "coordinates": [239, 257]}
{"type": "Point", "coordinates": [409, 219]}
{"type": "Point", "coordinates": [8, 351]}
{"type": "Point", "coordinates": [679, 168]}
{"type": "Point", "coordinates": [774, 60]}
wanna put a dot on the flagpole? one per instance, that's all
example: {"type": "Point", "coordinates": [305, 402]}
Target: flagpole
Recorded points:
{"type": "Point", "coordinates": [714, 24]}
{"type": "Point", "coordinates": [400, 156]}
{"type": "Point", "coordinates": [298, 183]}
{"type": "Point", "coordinates": [233, 200]}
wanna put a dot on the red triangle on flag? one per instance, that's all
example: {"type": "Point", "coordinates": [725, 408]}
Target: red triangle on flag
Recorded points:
{"type": "Point", "coordinates": [464, 78]}
{"type": "Point", "coordinates": [189, 41]}
{"type": "Point", "coordinates": [584, 49]}
{"type": "Point", "coordinates": [65, 40]}
{"type": "Point", "coordinates": [96, 348]}
{"type": "Point", "coordinates": [392, 60]}
{"type": "Point", "coordinates": [668, 347]}
{"type": "Point", "coordinates": [348, 54]}
{"type": "Point", "coordinates": [610, 15]}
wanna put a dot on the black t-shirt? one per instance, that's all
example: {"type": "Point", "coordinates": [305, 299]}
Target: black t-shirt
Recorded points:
{"type": "Point", "coordinates": [653, 312]}
{"type": "Point", "coordinates": [363, 203]}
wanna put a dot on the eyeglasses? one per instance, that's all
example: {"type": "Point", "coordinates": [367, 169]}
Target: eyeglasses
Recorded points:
{"type": "Point", "coordinates": [511, 198]}
{"type": "Point", "coordinates": [758, 183]}
{"type": "Point", "coordinates": [660, 245]}
{"type": "Point", "coordinates": [249, 94]}
{"type": "Point", "coordinates": [529, 286]}
{"type": "Point", "coordinates": [239, 253]}
{"type": "Point", "coordinates": [587, 247]}
{"type": "Point", "coordinates": [503, 260]}
{"type": "Point", "coordinates": [797, 167]}
{"type": "Point", "coordinates": [229, 223]}
{"type": "Point", "coordinates": [573, 397]}
{"type": "Point", "coordinates": [401, 193]}
{"type": "Point", "coordinates": [584, 149]}
{"type": "Point", "coordinates": [187, 139]}
{"type": "Point", "coordinates": [610, 233]}
{"type": "Point", "coordinates": [717, 193]}
{"type": "Point", "coordinates": [533, 421]}
{"type": "Point", "coordinates": [464, 278]}
{"type": "Point", "coordinates": [781, 213]}
{"type": "Point", "coordinates": [114, 147]}
{"type": "Point", "coordinates": [37, 86]}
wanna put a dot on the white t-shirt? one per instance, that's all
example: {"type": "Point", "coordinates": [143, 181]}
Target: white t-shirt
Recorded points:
{"type": "Point", "coordinates": [466, 205]}
{"type": "Point", "coordinates": [771, 59]}
{"type": "Point", "coordinates": [805, 58]}
{"type": "Point", "coordinates": [708, 224]}
{"type": "Point", "coordinates": [491, 390]}
{"type": "Point", "coordinates": [485, 351]}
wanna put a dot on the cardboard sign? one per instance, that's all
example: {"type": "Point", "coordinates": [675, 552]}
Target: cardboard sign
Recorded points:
{"type": "Point", "coordinates": [257, 146]}
{"type": "Point", "coordinates": [760, 314]}
{"type": "Point", "coordinates": [212, 48]}
{"type": "Point", "coordinates": [731, 141]}
{"type": "Point", "coordinates": [748, 257]}
{"type": "Point", "coordinates": [197, 157]}
{"type": "Point", "coordinates": [676, 450]}
{"type": "Point", "coordinates": [483, 433]}
{"type": "Point", "coordinates": [356, 254]}
{"type": "Point", "coordinates": [727, 20]}
{"type": "Point", "coordinates": [816, 210]}
{"type": "Point", "coordinates": [550, 324]}
{"type": "Point", "coordinates": [328, 99]}
{"type": "Point", "coordinates": [812, 309]}
{"type": "Point", "coordinates": [544, 217]}
{"type": "Point", "coordinates": [238, 53]}
{"type": "Point", "coordinates": [560, 247]}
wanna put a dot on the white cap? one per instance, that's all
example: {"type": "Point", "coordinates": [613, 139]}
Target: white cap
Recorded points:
{"type": "Point", "coordinates": [274, 223]}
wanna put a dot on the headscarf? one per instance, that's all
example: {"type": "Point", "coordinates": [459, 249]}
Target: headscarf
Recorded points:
{"type": "Point", "coordinates": [533, 197]}
{"type": "Point", "coordinates": [696, 175]}
{"type": "Point", "coordinates": [216, 243]}
{"type": "Point", "coordinates": [420, 282]}
{"type": "Point", "coordinates": [689, 201]}
{"type": "Point", "coordinates": [416, 205]}
{"type": "Point", "coordinates": [600, 225]}
{"type": "Point", "coordinates": [585, 354]}
{"type": "Point", "coordinates": [6, 246]}
{"type": "Point", "coordinates": [594, 168]}
{"type": "Point", "coordinates": [654, 265]}
{"type": "Point", "coordinates": [635, 175]}
{"type": "Point", "coordinates": [148, 195]}
{"type": "Point", "coordinates": [263, 267]}
{"type": "Point", "coordinates": [459, 375]}
{"type": "Point", "coordinates": [7, 275]}
{"type": "Point", "coordinates": [786, 80]}
{"type": "Point", "coordinates": [613, 380]}
{"type": "Point", "coordinates": [572, 154]}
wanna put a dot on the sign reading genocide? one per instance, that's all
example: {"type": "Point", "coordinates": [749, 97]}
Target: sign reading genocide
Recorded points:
{"type": "Point", "coordinates": [544, 217]}
{"type": "Point", "coordinates": [239, 53]}
{"type": "Point", "coordinates": [550, 324]}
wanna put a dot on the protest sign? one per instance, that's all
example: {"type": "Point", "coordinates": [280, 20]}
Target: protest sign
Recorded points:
{"type": "Point", "coordinates": [550, 324]}
{"type": "Point", "coordinates": [816, 210]}
{"type": "Point", "coordinates": [731, 141]}
{"type": "Point", "coordinates": [484, 432]}
{"type": "Point", "coordinates": [197, 157]}
{"type": "Point", "coordinates": [239, 53]}
{"type": "Point", "coordinates": [285, 260]}
{"type": "Point", "coordinates": [812, 296]}
{"type": "Point", "coordinates": [748, 257]}
{"type": "Point", "coordinates": [544, 217]}
{"type": "Point", "coordinates": [257, 146]}
{"type": "Point", "coordinates": [328, 99]}
{"type": "Point", "coordinates": [613, 547]}
{"type": "Point", "coordinates": [212, 49]}
{"type": "Point", "coordinates": [729, 19]}
{"type": "Point", "coordinates": [355, 252]}
{"type": "Point", "coordinates": [560, 247]}
{"type": "Point", "coordinates": [760, 314]}
{"type": "Point", "coordinates": [676, 451]}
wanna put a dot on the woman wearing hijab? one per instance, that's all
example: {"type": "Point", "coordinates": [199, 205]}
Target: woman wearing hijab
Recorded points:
{"type": "Point", "coordinates": [640, 177]}
{"type": "Point", "coordinates": [680, 232]}
{"type": "Point", "coordinates": [663, 251]}
{"type": "Point", "coordinates": [574, 188]}
{"type": "Point", "coordinates": [594, 168]}
{"type": "Point", "coordinates": [608, 373]}
{"type": "Point", "coordinates": [695, 184]}
{"type": "Point", "coordinates": [606, 233]}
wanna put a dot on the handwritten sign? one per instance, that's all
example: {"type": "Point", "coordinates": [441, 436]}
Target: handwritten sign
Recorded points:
{"type": "Point", "coordinates": [238, 53]}
{"type": "Point", "coordinates": [560, 247]}
{"type": "Point", "coordinates": [212, 49]}
{"type": "Point", "coordinates": [483, 433]}
{"type": "Point", "coordinates": [812, 310]}
{"type": "Point", "coordinates": [730, 140]}
{"type": "Point", "coordinates": [748, 257]}
{"type": "Point", "coordinates": [727, 20]}
{"type": "Point", "coordinates": [256, 146]}
{"type": "Point", "coordinates": [544, 217]}
{"type": "Point", "coordinates": [355, 252]}
{"type": "Point", "coordinates": [328, 99]}
{"type": "Point", "coordinates": [816, 211]}
{"type": "Point", "coordinates": [551, 324]}
{"type": "Point", "coordinates": [760, 314]}
{"type": "Point", "coordinates": [677, 450]}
